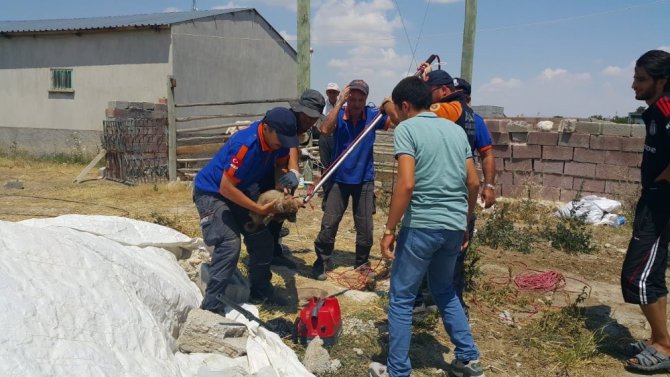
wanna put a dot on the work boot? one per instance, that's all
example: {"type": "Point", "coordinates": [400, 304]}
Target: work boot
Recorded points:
{"type": "Point", "coordinates": [362, 255]}
{"type": "Point", "coordinates": [366, 270]}
{"type": "Point", "coordinates": [321, 267]}
{"type": "Point", "coordinates": [323, 263]}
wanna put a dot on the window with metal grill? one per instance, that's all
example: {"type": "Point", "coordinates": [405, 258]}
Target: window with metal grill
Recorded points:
{"type": "Point", "coordinates": [61, 80]}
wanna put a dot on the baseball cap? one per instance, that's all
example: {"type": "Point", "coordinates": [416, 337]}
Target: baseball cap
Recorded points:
{"type": "Point", "coordinates": [438, 77]}
{"type": "Point", "coordinates": [360, 85]}
{"type": "Point", "coordinates": [463, 85]}
{"type": "Point", "coordinates": [311, 103]}
{"type": "Point", "coordinates": [332, 86]}
{"type": "Point", "coordinates": [283, 122]}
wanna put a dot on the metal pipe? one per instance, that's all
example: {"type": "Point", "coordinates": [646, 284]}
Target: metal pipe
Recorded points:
{"type": "Point", "coordinates": [340, 159]}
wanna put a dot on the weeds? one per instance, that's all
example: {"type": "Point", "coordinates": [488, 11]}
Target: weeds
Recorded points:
{"type": "Point", "coordinates": [562, 336]}
{"type": "Point", "coordinates": [471, 265]}
{"type": "Point", "coordinates": [499, 231]}
{"type": "Point", "coordinates": [570, 233]}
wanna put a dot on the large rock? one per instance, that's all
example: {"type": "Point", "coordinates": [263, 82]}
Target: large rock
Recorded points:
{"type": "Point", "coordinates": [205, 331]}
{"type": "Point", "coordinates": [317, 359]}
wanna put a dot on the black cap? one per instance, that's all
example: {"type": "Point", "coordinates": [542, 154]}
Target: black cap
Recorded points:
{"type": "Point", "coordinates": [360, 85]}
{"type": "Point", "coordinates": [438, 77]}
{"type": "Point", "coordinates": [311, 103]}
{"type": "Point", "coordinates": [283, 122]}
{"type": "Point", "coordinates": [463, 85]}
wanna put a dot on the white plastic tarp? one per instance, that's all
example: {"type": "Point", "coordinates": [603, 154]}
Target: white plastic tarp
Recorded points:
{"type": "Point", "coordinates": [593, 208]}
{"type": "Point", "coordinates": [103, 296]}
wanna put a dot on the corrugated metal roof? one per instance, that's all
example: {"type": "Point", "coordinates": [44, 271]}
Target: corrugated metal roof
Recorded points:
{"type": "Point", "coordinates": [112, 22]}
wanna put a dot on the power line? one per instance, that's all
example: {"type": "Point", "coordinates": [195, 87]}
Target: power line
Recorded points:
{"type": "Point", "coordinates": [409, 42]}
{"type": "Point", "coordinates": [418, 39]}
{"type": "Point", "coordinates": [439, 35]}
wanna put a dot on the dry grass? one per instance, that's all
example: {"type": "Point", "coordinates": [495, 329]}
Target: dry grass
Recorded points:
{"type": "Point", "coordinates": [551, 343]}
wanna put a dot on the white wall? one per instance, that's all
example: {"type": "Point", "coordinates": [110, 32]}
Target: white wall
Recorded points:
{"type": "Point", "coordinates": [107, 66]}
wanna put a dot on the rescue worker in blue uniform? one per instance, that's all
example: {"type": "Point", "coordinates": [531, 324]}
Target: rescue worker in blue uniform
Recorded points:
{"type": "Point", "coordinates": [227, 188]}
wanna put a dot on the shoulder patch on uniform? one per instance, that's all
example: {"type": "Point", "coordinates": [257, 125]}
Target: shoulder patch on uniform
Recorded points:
{"type": "Point", "coordinates": [435, 107]}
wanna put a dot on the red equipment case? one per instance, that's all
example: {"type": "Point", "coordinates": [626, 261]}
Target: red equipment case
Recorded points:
{"type": "Point", "coordinates": [320, 317]}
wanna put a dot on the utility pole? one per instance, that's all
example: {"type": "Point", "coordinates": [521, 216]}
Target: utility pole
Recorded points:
{"type": "Point", "coordinates": [304, 71]}
{"type": "Point", "coordinates": [469, 28]}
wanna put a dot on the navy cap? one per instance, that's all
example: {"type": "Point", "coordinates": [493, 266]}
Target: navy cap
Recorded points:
{"type": "Point", "coordinates": [311, 103]}
{"type": "Point", "coordinates": [438, 77]}
{"type": "Point", "coordinates": [283, 122]}
{"type": "Point", "coordinates": [463, 85]}
{"type": "Point", "coordinates": [360, 85]}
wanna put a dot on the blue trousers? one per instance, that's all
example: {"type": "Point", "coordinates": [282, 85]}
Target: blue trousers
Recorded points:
{"type": "Point", "coordinates": [421, 251]}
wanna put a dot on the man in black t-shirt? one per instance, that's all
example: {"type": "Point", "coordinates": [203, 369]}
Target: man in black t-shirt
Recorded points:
{"type": "Point", "coordinates": [643, 272]}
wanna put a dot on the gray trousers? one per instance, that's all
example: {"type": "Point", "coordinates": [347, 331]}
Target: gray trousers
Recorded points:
{"type": "Point", "coordinates": [222, 222]}
{"type": "Point", "coordinates": [362, 196]}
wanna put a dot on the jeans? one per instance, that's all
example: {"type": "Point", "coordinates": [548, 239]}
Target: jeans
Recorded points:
{"type": "Point", "coordinates": [419, 251]}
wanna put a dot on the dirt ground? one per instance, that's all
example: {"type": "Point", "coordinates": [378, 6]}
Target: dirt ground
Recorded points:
{"type": "Point", "coordinates": [509, 347]}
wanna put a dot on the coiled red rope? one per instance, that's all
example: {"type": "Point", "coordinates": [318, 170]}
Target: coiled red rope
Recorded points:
{"type": "Point", "coordinates": [539, 281]}
{"type": "Point", "coordinates": [533, 281]}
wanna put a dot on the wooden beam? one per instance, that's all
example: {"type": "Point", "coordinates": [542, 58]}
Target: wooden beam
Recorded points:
{"type": "Point", "coordinates": [221, 126]}
{"type": "Point", "coordinates": [193, 159]}
{"type": "Point", "coordinates": [205, 117]}
{"type": "Point", "coordinates": [172, 130]}
{"type": "Point", "coordinates": [200, 149]}
{"type": "Point", "coordinates": [235, 102]}
{"type": "Point", "coordinates": [90, 166]}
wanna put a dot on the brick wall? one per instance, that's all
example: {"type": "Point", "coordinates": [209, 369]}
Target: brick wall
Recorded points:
{"type": "Point", "coordinates": [601, 158]}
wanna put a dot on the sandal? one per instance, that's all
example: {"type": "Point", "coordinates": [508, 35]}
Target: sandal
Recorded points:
{"type": "Point", "coordinates": [632, 349]}
{"type": "Point", "coordinates": [650, 360]}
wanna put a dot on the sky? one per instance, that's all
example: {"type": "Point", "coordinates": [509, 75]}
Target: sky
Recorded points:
{"type": "Point", "coordinates": [571, 58]}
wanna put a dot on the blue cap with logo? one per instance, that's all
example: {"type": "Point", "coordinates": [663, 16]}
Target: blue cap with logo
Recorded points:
{"type": "Point", "coordinates": [438, 77]}
{"type": "Point", "coordinates": [283, 122]}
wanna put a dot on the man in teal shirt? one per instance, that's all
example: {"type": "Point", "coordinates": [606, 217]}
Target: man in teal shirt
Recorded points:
{"type": "Point", "coordinates": [436, 191]}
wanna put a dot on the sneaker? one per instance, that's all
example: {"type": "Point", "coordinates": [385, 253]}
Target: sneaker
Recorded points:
{"type": "Point", "coordinates": [366, 270]}
{"type": "Point", "coordinates": [472, 368]}
{"type": "Point", "coordinates": [282, 260]}
{"type": "Point", "coordinates": [377, 370]}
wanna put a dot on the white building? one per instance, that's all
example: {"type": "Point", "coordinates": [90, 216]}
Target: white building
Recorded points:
{"type": "Point", "coordinates": [59, 75]}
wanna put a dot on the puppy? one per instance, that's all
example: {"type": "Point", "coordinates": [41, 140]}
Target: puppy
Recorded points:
{"type": "Point", "coordinates": [286, 207]}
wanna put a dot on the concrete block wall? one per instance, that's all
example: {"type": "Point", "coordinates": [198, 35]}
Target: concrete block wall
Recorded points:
{"type": "Point", "coordinates": [600, 158]}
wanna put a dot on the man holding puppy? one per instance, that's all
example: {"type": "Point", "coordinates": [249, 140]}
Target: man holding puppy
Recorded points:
{"type": "Point", "coordinates": [226, 190]}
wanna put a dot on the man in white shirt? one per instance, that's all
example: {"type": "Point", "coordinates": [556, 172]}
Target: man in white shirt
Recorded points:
{"type": "Point", "coordinates": [326, 141]}
{"type": "Point", "coordinates": [332, 92]}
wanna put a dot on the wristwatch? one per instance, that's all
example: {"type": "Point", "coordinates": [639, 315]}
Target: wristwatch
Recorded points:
{"type": "Point", "coordinates": [488, 185]}
{"type": "Point", "coordinates": [389, 232]}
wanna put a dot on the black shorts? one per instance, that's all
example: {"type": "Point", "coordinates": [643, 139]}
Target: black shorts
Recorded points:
{"type": "Point", "coordinates": [643, 272]}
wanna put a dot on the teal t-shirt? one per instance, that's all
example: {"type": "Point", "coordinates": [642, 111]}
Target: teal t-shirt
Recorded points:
{"type": "Point", "coordinates": [440, 148]}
